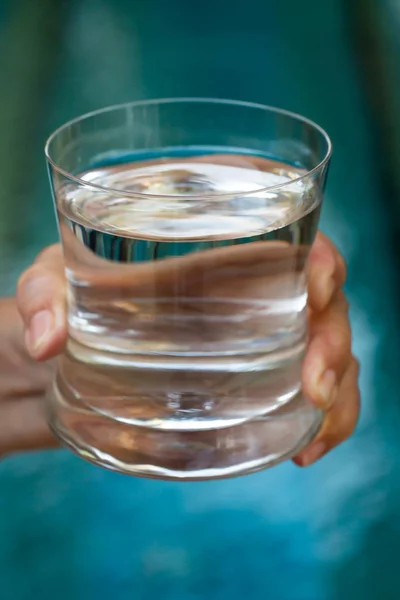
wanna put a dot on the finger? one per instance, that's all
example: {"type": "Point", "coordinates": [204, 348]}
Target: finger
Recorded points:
{"type": "Point", "coordinates": [339, 422]}
{"type": "Point", "coordinates": [41, 302]}
{"type": "Point", "coordinates": [23, 426]}
{"type": "Point", "coordinates": [327, 272]}
{"type": "Point", "coordinates": [328, 353]}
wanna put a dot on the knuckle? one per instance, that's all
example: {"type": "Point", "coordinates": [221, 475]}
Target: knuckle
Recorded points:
{"type": "Point", "coordinates": [350, 419]}
{"type": "Point", "coordinates": [34, 291]}
{"type": "Point", "coordinates": [30, 277]}
{"type": "Point", "coordinates": [350, 424]}
{"type": "Point", "coordinates": [49, 254]}
{"type": "Point", "coordinates": [339, 340]}
{"type": "Point", "coordinates": [343, 302]}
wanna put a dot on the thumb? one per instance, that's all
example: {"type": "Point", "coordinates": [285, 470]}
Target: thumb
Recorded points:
{"type": "Point", "coordinates": [41, 302]}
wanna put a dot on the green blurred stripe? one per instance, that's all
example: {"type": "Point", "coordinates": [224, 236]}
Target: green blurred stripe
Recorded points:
{"type": "Point", "coordinates": [28, 50]}
{"type": "Point", "coordinates": [376, 29]}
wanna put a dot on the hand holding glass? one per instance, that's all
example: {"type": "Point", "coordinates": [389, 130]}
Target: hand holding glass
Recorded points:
{"type": "Point", "coordinates": [186, 227]}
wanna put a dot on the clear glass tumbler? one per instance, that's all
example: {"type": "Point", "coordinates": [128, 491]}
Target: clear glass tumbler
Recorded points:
{"type": "Point", "coordinates": [186, 226]}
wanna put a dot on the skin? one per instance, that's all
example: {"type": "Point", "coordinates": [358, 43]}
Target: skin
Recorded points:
{"type": "Point", "coordinates": [33, 332]}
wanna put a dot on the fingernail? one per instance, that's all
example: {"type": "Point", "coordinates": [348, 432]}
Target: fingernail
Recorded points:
{"type": "Point", "coordinates": [39, 330]}
{"type": "Point", "coordinates": [327, 388]}
{"type": "Point", "coordinates": [323, 387]}
{"type": "Point", "coordinates": [309, 456]}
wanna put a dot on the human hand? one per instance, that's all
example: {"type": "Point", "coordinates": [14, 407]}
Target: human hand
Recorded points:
{"type": "Point", "coordinates": [330, 371]}
{"type": "Point", "coordinates": [41, 300]}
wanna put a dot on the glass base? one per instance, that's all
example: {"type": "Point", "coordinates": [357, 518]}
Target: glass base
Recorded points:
{"type": "Point", "coordinates": [183, 455]}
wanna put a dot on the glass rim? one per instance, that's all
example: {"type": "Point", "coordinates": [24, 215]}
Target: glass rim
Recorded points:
{"type": "Point", "coordinates": [187, 100]}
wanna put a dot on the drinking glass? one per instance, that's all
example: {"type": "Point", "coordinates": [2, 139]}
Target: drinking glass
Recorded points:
{"type": "Point", "coordinates": [186, 226]}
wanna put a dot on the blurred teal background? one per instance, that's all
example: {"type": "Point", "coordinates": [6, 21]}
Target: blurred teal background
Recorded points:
{"type": "Point", "coordinates": [71, 531]}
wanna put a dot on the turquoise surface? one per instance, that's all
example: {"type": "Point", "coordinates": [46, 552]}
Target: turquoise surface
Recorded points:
{"type": "Point", "coordinates": [72, 531]}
